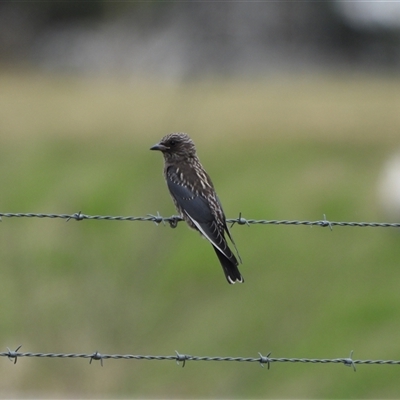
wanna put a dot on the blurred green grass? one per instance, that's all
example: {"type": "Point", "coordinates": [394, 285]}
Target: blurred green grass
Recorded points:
{"type": "Point", "coordinates": [280, 148]}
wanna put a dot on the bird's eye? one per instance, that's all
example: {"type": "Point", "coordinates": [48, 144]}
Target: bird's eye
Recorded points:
{"type": "Point", "coordinates": [172, 142]}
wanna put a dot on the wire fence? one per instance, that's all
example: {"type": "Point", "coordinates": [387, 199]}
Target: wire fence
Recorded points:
{"type": "Point", "coordinates": [175, 219]}
{"type": "Point", "coordinates": [182, 359]}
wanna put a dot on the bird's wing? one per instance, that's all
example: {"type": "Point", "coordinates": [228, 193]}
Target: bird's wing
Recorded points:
{"type": "Point", "coordinates": [194, 205]}
{"type": "Point", "coordinates": [198, 209]}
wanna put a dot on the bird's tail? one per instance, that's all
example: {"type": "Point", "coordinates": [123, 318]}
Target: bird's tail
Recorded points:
{"type": "Point", "coordinates": [229, 265]}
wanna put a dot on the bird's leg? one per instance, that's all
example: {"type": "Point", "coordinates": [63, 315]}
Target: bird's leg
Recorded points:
{"type": "Point", "coordinates": [173, 221]}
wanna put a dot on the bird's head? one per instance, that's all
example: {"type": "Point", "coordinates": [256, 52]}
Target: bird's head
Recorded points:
{"type": "Point", "coordinates": [176, 147]}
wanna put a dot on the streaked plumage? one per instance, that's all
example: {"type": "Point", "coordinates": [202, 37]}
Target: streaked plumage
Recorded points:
{"type": "Point", "coordinates": [195, 199]}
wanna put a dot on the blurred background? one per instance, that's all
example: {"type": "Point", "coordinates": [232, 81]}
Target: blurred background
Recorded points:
{"type": "Point", "coordinates": [295, 111]}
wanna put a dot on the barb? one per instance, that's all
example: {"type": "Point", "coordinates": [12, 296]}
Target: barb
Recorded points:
{"type": "Point", "coordinates": [174, 220]}
{"type": "Point", "coordinates": [13, 354]}
{"type": "Point", "coordinates": [184, 358]}
{"type": "Point", "coordinates": [96, 356]}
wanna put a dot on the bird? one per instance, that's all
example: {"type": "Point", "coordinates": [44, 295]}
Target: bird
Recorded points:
{"type": "Point", "coordinates": [195, 199]}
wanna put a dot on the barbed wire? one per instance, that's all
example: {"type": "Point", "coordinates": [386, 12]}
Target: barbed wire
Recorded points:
{"type": "Point", "coordinates": [183, 358]}
{"type": "Point", "coordinates": [175, 219]}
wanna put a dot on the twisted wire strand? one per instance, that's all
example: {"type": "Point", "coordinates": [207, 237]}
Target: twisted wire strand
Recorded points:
{"type": "Point", "coordinates": [174, 220]}
{"type": "Point", "coordinates": [178, 357]}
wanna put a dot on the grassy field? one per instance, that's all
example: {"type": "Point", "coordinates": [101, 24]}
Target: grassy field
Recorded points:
{"type": "Point", "coordinates": [283, 148]}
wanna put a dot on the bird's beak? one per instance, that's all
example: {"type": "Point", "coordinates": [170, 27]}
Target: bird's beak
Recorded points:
{"type": "Point", "coordinates": [159, 147]}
